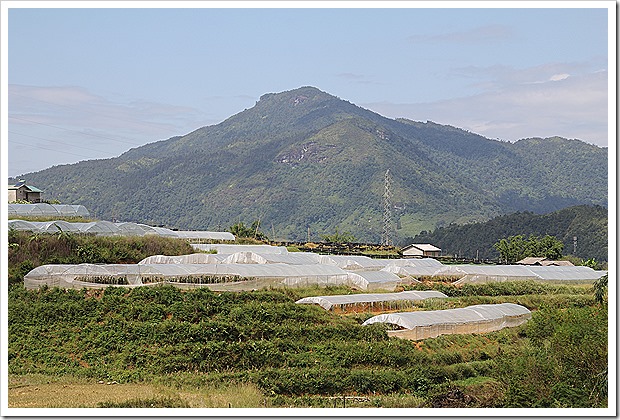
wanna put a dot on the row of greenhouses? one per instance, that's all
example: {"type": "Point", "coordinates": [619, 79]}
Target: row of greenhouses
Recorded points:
{"type": "Point", "coordinates": [214, 276]}
{"type": "Point", "coordinates": [257, 266]}
{"type": "Point", "coordinates": [422, 324]}
{"type": "Point", "coordinates": [105, 228]}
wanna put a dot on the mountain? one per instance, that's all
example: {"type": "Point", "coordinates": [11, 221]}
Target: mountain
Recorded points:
{"type": "Point", "coordinates": [304, 161]}
{"type": "Point", "coordinates": [588, 223]}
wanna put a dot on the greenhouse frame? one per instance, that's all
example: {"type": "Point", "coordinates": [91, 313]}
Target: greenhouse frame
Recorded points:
{"type": "Point", "coordinates": [216, 276]}
{"type": "Point", "coordinates": [44, 209]}
{"type": "Point", "coordinates": [478, 319]}
{"type": "Point", "coordinates": [105, 228]}
{"type": "Point", "coordinates": [389, 300]}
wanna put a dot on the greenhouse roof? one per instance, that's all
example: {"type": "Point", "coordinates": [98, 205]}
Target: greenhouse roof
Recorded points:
{"type": "Point", "coordinates": [200, 258]}
{"type": "Point", "coordinates": [328, 302]}
{"type": "Point", "coordinates": [243, 270]}
{"type": "Point", "coordinates": [414, 262]}
{"type": "Point", "coordinates": [103, 227]}
{"type": "Point", "coordinates": [44, 209]}
{"type": "Point", "coordinates": [195, 234]}
{"type": "Point", "coordinates": [294, 258]}
{"type": "Point", "coordinates": [470, 314]}
{"type": "Point", "coordinates": [231, 249]}
{"type": "Point", "coordinates": [352, 262]}
{"type": "Point", "coordinates": [377, 276]}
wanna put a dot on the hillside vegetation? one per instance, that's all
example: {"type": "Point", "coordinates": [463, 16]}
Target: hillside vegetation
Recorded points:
{"type": "Point", "coordinates": [305, 163]}
{"type": "Point", "coordinates": [588, 223]}
{"type": "Point", "coordinates": [301, 355]}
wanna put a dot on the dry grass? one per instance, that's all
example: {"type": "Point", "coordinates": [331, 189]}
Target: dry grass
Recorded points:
{"type": "Point", "coordinates": [38, 391]}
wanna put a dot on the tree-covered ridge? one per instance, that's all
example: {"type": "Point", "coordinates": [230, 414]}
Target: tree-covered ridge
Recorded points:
{"type": "Point", "coordinates": [305, 160]}
{"type": "Point", "coordinates": [588, 223]}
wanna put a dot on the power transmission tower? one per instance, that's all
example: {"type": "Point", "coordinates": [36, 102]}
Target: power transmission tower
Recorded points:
{"type": "Point", "coordinates": [387, 211]}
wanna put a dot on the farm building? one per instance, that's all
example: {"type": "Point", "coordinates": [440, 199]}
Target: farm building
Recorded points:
{"type": "Point", "coordinates": [477, 319]}
{"type": "Point", "coordinates": [23, 192]}
{"type": "Point", "coordinates": [542, 261]}
{"type": "Point", "coordinates": [366, 300]}
{"type": "Point", "coordinates": [421, 250]}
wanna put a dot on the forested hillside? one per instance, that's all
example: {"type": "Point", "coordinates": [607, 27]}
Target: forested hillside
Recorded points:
{"type": "Point", "coordinates": [587, 223]}
{"type": "Point", "coordinates": [305, 161]}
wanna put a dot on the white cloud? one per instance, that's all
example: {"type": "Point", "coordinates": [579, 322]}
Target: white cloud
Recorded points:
{"type": "Point", "coordinates": [558, 77]}
{"type": "Point", "coordinates": [512, 107]}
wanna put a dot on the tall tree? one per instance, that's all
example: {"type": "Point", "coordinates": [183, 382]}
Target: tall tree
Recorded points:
{"type": "Point", "coordinates": [515, 248]}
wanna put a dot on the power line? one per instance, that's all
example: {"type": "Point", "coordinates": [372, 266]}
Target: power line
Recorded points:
{"type": "Point", "coordinates": [49, 148]}
{"type": "Point", "coordinates": [56, 141]}
{"type": "Point", "coordinates": [98, 113]}
{"type": "Point", "coordinates": [75, 131]}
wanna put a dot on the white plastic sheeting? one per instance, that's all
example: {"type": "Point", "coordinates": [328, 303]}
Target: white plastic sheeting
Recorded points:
{"type": "Point", "coordinates": [566, 273]}
{"type": "Point", "coordinates": [495, 273]}
{"type": "Point", "coordinates": [184, 259]}
{"type": "Point", "coordinates": [294, 258]}
{"type": "Point", "coordinates": [44, 209]}
{"type": "Point", "coordinates": [479, 319]}
{"type": "Point", "coordinates": [106, 228]}
{"type": "Point", "coordinates": [377, 279]}
{"type": "Point", "coordinates": [254, 276]}
{"type": "Point", "coordinates": [498, 273]}
{"type": "Point", "coordinates": [328, 302]}
{"type": "Point", "coordinates": [204, 235]}
{"type": "Point", "coordinates": [412, 262]}
{"type": "Point", "coordinates": [231, 249]}
{"type": "Point", "coordinates": [352, 262]}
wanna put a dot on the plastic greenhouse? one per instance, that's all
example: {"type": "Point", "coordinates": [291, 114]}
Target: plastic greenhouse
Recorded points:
{"type": "Point", "coordinates": [103, 227]}
{"type": "Point", "coordinates": [477, 319]}
{"type": "Point", "coordinates": [204, 235]}
{"type": "Point", "coordinates": [232, 249]}
{"type": "Point", "coordinates": [44, 209]}
{"type": "Point", "coordinates": [213, 276]}
{"type": "Point", "coordinates": [382, 300]}
{"type": "Point", "coordinates": [498, 273]}
{"type": "Point", "coordinates": [377, 279]}
{"type": "Point", "coordinates": [294, 258]}
{"type": "Point", "coordinates": [352, 262]}
{"type": "Point", "coordinates": [184, 259]}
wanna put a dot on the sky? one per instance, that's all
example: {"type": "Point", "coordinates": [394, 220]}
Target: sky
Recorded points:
{"type": "Point", "coordinates": [84, 82]}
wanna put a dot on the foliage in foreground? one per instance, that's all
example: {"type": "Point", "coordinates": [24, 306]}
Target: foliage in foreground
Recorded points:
{"type": "Point", "coordinates": [303, 355]}
{"type": "Point", "coordinates": [29, 250]}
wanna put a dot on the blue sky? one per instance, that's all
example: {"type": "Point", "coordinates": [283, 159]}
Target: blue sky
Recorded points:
{"type": "Point", "coordinates": [91, 83]}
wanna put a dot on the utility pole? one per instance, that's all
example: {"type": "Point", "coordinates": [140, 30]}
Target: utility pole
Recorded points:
{"type": "Point", "coordinates": [387, 211]}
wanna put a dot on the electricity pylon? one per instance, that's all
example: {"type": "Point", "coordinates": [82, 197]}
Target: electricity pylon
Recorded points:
{"type": "Point", "coordinates": [387, 211]}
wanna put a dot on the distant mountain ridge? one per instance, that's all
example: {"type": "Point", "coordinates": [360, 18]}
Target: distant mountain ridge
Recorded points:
{"type": "Point", "coordinates": [305, 163]}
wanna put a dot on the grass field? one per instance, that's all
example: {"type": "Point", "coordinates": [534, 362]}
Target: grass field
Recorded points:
{"type": "Point", "coordinates": [34, 391]}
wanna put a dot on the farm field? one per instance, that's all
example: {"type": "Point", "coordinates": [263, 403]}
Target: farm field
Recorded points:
{"type": "Point", "coordinates": [167, 347]}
